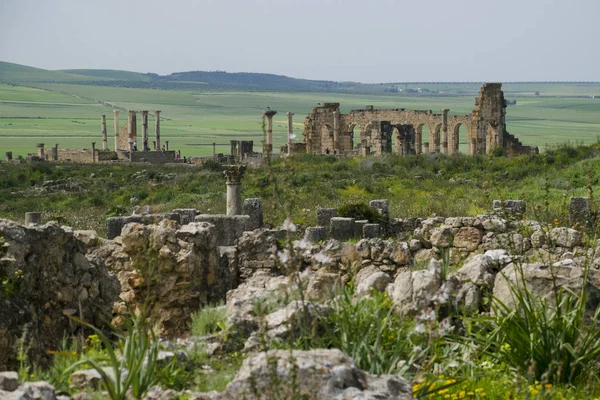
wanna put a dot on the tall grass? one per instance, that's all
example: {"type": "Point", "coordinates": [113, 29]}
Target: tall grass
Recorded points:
{"type": "Point", "coordinates": [547, 340]}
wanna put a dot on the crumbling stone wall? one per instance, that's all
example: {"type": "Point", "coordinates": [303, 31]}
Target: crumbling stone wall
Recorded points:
{"type": "Point", "coordinates": [48, 276]}
{"type": "Point", "coordinates": [327, 130]}
{"type": "Point", "coordinates": [173, 270]}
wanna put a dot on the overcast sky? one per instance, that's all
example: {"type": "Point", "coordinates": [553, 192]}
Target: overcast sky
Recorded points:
{"type": "Point", "coordinates": [357, 40]}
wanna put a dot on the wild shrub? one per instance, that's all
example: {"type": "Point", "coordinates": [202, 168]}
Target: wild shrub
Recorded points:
{"type": "Point", "coordinates": [359, 211]}
{"type": "Point", "coordinates": [135, 351]}
{"type": "Point", "coordinates": [209, 320]}
{"type": "Point", "coordinates": [546, 340]}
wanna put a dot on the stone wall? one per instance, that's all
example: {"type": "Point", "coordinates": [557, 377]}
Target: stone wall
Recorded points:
{"type": "Point", "coordinates": [170, 269]}
{"type": "Point", "coordinates": [49, 276]}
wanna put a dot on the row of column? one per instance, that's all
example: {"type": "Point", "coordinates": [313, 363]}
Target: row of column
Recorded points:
{"type": "Point", "coordinates": [131, 129]}
{"type": "Point", "coordinates": [268, 144]}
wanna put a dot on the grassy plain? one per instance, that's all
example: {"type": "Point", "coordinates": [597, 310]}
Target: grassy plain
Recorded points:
{"type": "Point", "coordinates": [69, 114]}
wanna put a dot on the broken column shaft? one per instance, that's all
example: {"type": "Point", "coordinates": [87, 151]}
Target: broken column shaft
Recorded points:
{"type": "Point", "coordinates": [144, 129]}
{"type": "Point", "coordinates": [290, 132]}
{"type": "Point", "coordinates": [104, 138]}
{"type": "Point", "coordinates": [131, 129]}
{"type": "Point", "coordinates": [116, 112]}
{"type": "Point", "coordinates": [233, 175]}
{"type": "Point", "coordinates": [269, 144]}
{"type": "Point", "coordinates": [157, 128]}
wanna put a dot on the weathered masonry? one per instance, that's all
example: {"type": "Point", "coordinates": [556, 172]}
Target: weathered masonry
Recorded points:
{"type": "Point", "coordinates": [328, 131]}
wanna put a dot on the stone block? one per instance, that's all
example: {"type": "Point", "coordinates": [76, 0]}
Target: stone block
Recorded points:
{"type": "Point", "coordinates": [253, 209]}
{"type": "Point", "coordinates": [512, 207]}
{"type": "Point", "coordinates": [342, 229]}
{"type": "Point", "coordinates": [358, 227]}
{"type": "Point", "coordinates": [382, 206]}
{"type": "Point", "coordinates": [370, 231]}
{"type": "Point", "coordinates": [228, 228]}
{"type": "Point", "coordinates": [315, 234]}
{"type": "Point", "coordinates": [9, 381]}
{"type": "Point", "coordinates": [579, 210]}
{"type": "Point", "coordinates": [114, 225]}
{"type": "Point", "coordinates": [186, 215]}
{"type": "Point", "coordinates": [324, 216]}
{"type": "Point", "coordinates": [33, 218]}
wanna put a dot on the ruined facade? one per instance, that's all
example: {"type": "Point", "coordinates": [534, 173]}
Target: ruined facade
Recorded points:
{"type": "Point", "coordinates": [328, 131]}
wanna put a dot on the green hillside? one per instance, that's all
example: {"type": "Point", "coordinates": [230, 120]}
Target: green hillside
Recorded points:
{"type": "Point", "coordinates": [110, 74]}
{"type": "Point", "coordinates": [17, 73]}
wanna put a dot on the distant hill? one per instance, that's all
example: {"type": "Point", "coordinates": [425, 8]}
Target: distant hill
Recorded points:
{"type": "Point", "coordinates": [110, 74]}
{"type": "Point", "coordinates": [220, 81]}
{"type": "Point", "coordinates": [14, 73]}
{"type": "Point", "coordinates": [191, 80]}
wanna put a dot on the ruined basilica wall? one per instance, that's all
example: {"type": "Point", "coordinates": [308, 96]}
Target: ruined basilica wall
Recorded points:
{"type": "Point", "coordinates": [76, 155]}
{"type": "Point", "coordinates": [417, 118]}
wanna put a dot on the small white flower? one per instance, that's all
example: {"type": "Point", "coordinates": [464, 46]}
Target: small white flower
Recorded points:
{"type": "Point", "coordinates": [292, 136]}
{"type": "Point", "coordinates": [445, 327]}
{"type": "Point", "coordinates": [284, 256]}
{"type": "Point", "coordinates": [420, 328]}
{"type": "Point", "coordinates": [288, 225]}
{"type": "Point", "coordinates": [322, 258]}
{"type": "Point", "coordinates": [303, 244]}
{"type": "Point", "coordinates": [427, 315]}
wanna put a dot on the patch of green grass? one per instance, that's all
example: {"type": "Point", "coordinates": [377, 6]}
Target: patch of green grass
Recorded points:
{"type": "Point", "coordinates": [209, 320]}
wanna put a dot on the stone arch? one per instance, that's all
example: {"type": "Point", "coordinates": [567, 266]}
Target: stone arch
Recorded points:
{"type": "Point", "coordinates": [455, 138]}
{"type": "Point", "coordinates": [421, 137]}
{"type": "Point", "coordinates": [434, 137]}
{"type": "Point", "coordinates": [326, 138]}
{"type": "Point", "coordinates": [354, 133]}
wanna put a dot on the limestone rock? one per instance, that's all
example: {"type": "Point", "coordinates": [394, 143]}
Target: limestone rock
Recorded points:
{"type": "Point", "coordinates": [478, 270]}
{"type": "Point", "coordinates": [320, 374]}
{"type": "Point", "coordinates": [415, 290]}
{"type": "Point", "coordinates": [9, 381]}
{"type": "Point", "coordinates": [371, 278]}
{"type": "Point", "coordinates": [565, 237]}
{"type": "Point", "coordinates": [540, 280]}
{"type": "Point", "coordinates": [468, 238]}
{"type": "Point", "coordinates": [441, 237]}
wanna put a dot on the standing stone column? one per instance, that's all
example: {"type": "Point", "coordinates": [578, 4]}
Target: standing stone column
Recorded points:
{"type": "Point", "coordinates": [445, 131]}
{"type": "Point", "coordinates": [167, 144]}
{"type": "Point", "coordinates": [33, 218]}
{"type": "Point", "coordinates": [268, 147]}
{"type": "Point", "coordinates": [8, 156]}
{"type": "Point", "coordinates": [104, 138]}
{"type": "Point", "coordinates": [214, 151]}
{"type": "Point", "coordinates": [40, 150]}
{"type": "Point", "coordinates": [157, 129]}
{"type": "Point", "coordinates": [116, 112]}
{"type": "Point", "coordinates": [233, 175]}
{"type": "Point", "coordinates": [55, 152]}
{"type": "Point", "coordinates": [144, 129]}
{"type": "Point", "coordinates": [426, 147]}
{"type": "Point", "coordinates": [336, 131]}
{"type": "Point", "coordinates": [93, 152]}
{"type": "Point", "coordinates": [290, 132]}
{"type": "Point", "coordinates": [418, 141]}
{"type": "Point", "coordinates": [132, 129]}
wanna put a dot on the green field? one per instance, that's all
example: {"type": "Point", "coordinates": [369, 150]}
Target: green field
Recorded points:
{"type": "Point", "coordinates": [39, 108]}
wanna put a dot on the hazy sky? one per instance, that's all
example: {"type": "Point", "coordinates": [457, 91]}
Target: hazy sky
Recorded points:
{"type": "Point", "coordinates": [358, 40]}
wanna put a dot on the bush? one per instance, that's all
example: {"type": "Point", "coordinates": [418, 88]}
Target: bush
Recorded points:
{"type": "Point", "coordinates": [548, 341]}
{"type": "Point", "coordinates": [208, 320]}
{"type": "Point", "coordinates": [360, 211]}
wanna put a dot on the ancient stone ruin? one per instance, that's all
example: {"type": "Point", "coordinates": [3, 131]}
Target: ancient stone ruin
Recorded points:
{"type": "Point", "coordinates": [328, 131]}
{"type": "Point", "coordinates": [127, 145]}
